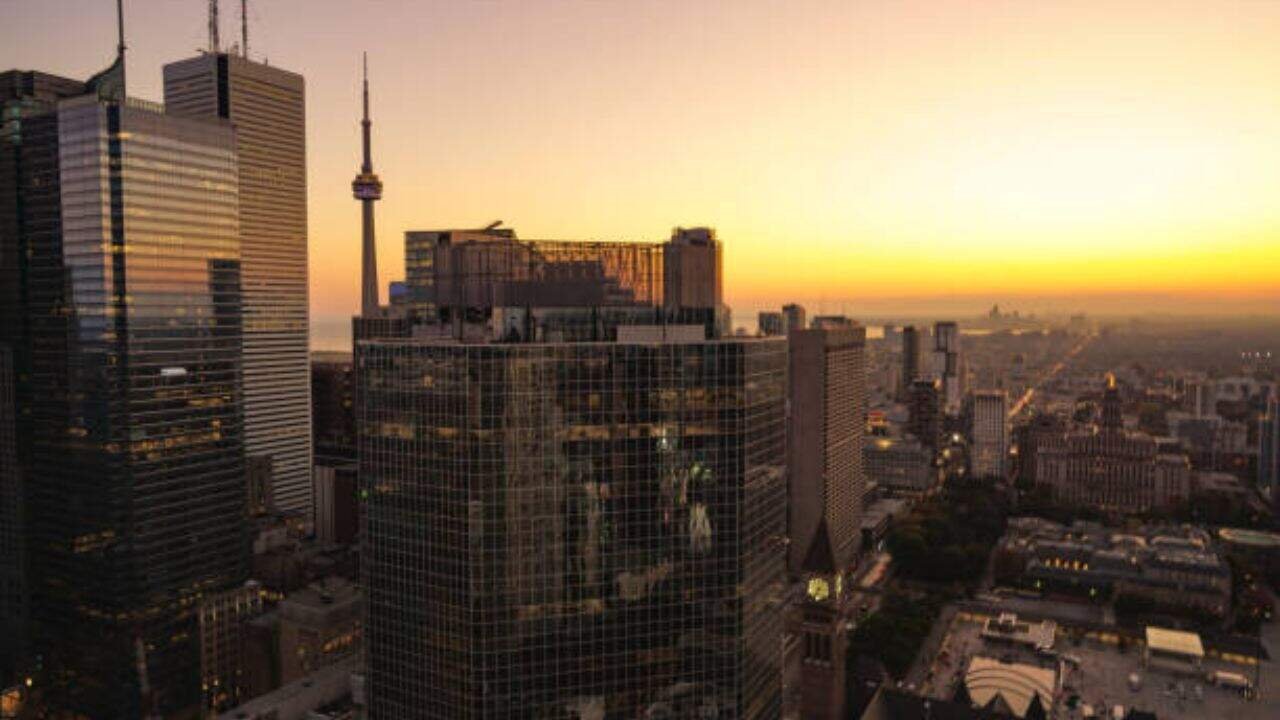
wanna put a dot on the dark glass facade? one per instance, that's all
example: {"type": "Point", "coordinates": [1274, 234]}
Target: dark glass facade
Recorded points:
{"type": "Point", "coordinates": [333, 412]}
{"type": "Point", "coordinates": [573, 529]}
{"type": "Point", "coordinates": [130, 345]}
{"type": "Point", "coordinates": [13, 591]}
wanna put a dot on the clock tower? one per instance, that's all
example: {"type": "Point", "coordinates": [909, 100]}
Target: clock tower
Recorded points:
{"type": "Point", "coordinates": [820, 625]}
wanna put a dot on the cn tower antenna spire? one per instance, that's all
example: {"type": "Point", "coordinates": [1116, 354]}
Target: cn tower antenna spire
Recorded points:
{"type": "Point", "coordinates": [367, 188]}
{"type": "Point", "coordinates": [365, 124]}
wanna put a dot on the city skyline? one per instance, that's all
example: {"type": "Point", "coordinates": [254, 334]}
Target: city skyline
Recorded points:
{"type": "Point", "coordinates": [821, 361]}
{"type": "Point", "coordinates": [959, 163]}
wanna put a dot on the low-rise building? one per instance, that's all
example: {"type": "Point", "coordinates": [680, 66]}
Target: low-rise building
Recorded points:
{"type": "Point", "coordinates": [305, 697]}
{"type": "Point", "coordinates": [1166, 567]}
{"type": "Point", "coordinates": [224, 624]}
{"type": "Point", "coordinates": [1108, 467]}
{"type": "Point", "coordinates": [319, 626]}
{"type": "Point", "coordinates": [899, 465]}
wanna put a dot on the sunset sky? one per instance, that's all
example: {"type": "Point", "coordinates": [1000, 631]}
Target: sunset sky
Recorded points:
{"type": "Point", "coordinates": [885, 155]}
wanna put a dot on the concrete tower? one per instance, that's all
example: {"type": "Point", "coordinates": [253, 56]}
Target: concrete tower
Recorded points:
{"type": "Point", "coordinates": [367, 188]}
{"type": "Point", "coordinates": [266, 105]}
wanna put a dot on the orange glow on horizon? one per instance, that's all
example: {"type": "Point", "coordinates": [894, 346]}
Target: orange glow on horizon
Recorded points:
{"type": "Point", "coordinates": [1104, 154]}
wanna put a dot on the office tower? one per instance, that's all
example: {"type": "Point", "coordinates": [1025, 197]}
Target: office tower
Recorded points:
{"type": "Point", "coordinates": [334, 472]}
{"type": "Point", "coordinates": [561, 574]}
{"type": "Point", "coordinates": [795, 317]}
{"type": "Point", "coordinates": [266, 106]}
{"type": "Point", "coordinates": [421, 247]}
{"type": "Point", "coordinates": [1109, 468]}
{"type": "Point", "coordinates": [910, 360]}
{"type": "Point", "coordinates": [337, 517]}
{"type": "Point", "coordinates": [333, 405]}
{"type": "Point", "coordinates": [948, 365]}
{"type": "Point", "coordinates": [419, 252]}
{"type": "Point", "coordinates": [924, 406]}
{"type": "Point", "coordinates": [13, 584]}
{"type": "Point", "coordinates": [24, 96]}
{"type": "Point", "coordinates": [130, 413]}
{"type": "Point", "coordinates": [692, 279]}
{"type": "Point", "coordinates": [826, 416]}
{"type": "Point", "coordinates": [1269, 448]}
{"type": "Point", "coordinates": [224, 650]}
{"type": "Point", "coordinates": [771, 323]}
{"type": "Point", "coordinates": [988, 433]}
{"type": "Point", "coordinates": [606, 492]}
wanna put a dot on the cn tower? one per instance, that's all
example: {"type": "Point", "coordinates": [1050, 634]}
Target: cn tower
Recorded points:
{"type": "Point", "coordinates": [367, 188]}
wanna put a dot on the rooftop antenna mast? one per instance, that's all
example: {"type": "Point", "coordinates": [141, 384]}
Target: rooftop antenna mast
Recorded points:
{"type": "Point", "coordinates": [214, 45]}
{"type": "Point", "coordinates": [120, 28]}
{"type": "Point", "coordinates": [244, 29]}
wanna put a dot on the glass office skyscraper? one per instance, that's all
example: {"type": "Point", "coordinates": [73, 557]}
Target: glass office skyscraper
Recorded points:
{"type": "Point", "coordinates": [266, 106]}
{"type": "Point", "coordinates": [13, 583]}
{"type": "Point", "coordinates": [566, 529]}
{"type": "Point", "coordinates": [129, 279]}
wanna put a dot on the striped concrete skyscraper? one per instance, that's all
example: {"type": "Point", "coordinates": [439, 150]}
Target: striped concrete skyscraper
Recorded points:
{"type": "Point", "coordinates": [266, 107]}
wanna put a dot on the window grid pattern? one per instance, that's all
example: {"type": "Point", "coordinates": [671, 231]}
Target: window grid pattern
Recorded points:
{"type": "Point", "coordinates": [565, 529]}
{"type": "Point", "coordinates": [134, 306]}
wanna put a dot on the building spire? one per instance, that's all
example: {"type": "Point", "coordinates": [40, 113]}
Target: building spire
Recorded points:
{"type": "Point", "coordinates": [120, 29]}
{"type": "Point", "coordinates": [367, 188]}
{"type": "Point", "coordinates": [367, 165]}
{"type": "Point", "coordinates": [215, 45]}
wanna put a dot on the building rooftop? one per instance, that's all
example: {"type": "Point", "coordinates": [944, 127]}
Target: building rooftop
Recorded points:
{"type": "Point", "coordinates": [295, 700]}
{"type": "Point", "coordinates": [1250, 538]}
{"type": "Point", "coordinates": [1014, 684]}
{"type": "Point", "coordinates": [1175, 642]}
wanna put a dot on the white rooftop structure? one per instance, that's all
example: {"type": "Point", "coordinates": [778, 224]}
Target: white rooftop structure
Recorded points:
{"type": "Point", "coordinates": [1174, 642]}
{"type": "Point", "coordinates": [1014, 683]}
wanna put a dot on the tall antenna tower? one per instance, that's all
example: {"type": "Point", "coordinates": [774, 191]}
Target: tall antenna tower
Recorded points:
{"type": "Point", "coordinates": [244, 29]}
{"type": "Point", "coordinates": [214, 45]}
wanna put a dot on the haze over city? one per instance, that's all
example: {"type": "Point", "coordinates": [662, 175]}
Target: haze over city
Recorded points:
{"type": "Point", "coordinates": [608, 360]}
{"type": "Point", "coordinates": [904, 158]}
